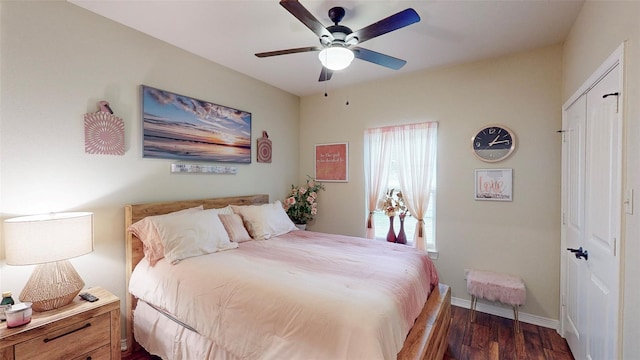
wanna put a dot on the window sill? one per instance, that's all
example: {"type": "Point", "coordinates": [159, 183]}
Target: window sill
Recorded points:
{"type": "Point", "coordinates": [433, 253]}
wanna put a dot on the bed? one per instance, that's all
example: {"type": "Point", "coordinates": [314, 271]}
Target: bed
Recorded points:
{"type": "Point", "coordinates": [163, 334]}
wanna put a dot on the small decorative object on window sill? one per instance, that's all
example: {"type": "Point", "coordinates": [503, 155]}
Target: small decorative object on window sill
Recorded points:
{"type": "Point", "coordinates": [395, 205]}
{"type": "Point", "coordinates": [402, 237]}
{"type": "Point", "coordinates": [391, 235]}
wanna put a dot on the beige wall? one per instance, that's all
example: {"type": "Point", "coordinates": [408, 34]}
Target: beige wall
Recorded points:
{"type": "Point", "coordinates": [58, 61]}
{"type": "Point", "coordinates": [598, 31]}
{"type": "Point", "coordinates": [521, 91]}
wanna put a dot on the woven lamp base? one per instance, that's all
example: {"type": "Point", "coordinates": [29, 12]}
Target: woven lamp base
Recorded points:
{"type": "Point", "coordinates": [52, 285]}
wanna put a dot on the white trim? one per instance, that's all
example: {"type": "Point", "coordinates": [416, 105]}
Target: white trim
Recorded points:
{"type": "Point", "coordinates": [506, 312]}
{"type": "Point", "coordinates": [614, 59]}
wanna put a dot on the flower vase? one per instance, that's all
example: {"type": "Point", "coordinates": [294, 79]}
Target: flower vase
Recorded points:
{"type": "Point", "coordinates": [391, 235]}
{"type": "Point", "coordinates": [402, 237]}
{"type": "Point", "coordinates": [301, 226]}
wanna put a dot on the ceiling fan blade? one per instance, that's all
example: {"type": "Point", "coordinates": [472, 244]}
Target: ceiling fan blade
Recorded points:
{"type": "Point", "coordinates": [388, 24]}
{"type": "Point", "coordinates": [301, 13]}
{"type": "Point", "coordinates": [325, 74]}
{"type": "Point", "coordinates": [378, 58]}
{"type": "Point", "coordinates": [288, 51]}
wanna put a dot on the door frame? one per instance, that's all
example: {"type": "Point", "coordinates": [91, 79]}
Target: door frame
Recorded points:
{"type": "Point", "coordinates": [616, 58]}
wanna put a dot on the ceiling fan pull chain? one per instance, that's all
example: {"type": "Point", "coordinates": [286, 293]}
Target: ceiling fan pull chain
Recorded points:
{"type": "Point", "coordinates": [325, 84]}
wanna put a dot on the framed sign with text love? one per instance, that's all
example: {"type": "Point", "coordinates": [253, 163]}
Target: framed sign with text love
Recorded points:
{"type": "Point", "coordinates": [332, 162]}
{"type": "Point", "coordinates": [494, 184]}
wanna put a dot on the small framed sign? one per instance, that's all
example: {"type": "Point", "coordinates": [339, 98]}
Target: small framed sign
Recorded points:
{"type": "Point", "coordinates": [332, 162]}
{"type": "Point", "coordinates": [494, 184]}
{"type": "Point", "coordinates": [203, 169]}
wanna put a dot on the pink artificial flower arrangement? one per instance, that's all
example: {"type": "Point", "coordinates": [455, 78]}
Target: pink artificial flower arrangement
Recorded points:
{"type": "Point", "coordinates": [302, 203]}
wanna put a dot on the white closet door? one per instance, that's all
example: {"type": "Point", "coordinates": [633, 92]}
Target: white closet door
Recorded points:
{"type": "Point", "coordinates": [591, 216]}
{"type": "Point", "coordinates": [603, 206]}
{"type": "Point", "coordinates": [573, 174]}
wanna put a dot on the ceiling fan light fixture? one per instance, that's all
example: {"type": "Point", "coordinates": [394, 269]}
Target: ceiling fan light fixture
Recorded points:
{"type": "Point", "coordinates": [336, 57]}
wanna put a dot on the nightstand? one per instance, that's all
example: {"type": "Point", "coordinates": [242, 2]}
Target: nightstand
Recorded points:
{"type": "Point", "coordinates": [81, 330]}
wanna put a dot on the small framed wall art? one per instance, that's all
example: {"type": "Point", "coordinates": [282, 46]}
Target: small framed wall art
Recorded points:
{"type": "Point", "coordinates": [332, 162]}
{"type": "Point", "coordinates": [494, 184]}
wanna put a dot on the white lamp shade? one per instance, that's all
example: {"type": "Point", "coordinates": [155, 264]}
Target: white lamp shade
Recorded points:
{"type": "Point", "coordinates": [39, 239]}
{"type": "Point", "coordinates": [336, 57]}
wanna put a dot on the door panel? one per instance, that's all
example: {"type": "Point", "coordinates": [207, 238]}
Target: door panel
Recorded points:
{"type": "Point", "coordinates": [591, 208]}
{"type": "Point", "coordinates": [603, 206]}
{"type": "Point", "coordinates": [574, 318]}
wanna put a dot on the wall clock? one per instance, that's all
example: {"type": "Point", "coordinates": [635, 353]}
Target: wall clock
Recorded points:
{"type": "Point", "coordinates": [493, 143]}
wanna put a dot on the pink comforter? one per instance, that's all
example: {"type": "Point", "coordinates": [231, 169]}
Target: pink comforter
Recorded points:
{"type": "Point", "coordinates": [302, 295]}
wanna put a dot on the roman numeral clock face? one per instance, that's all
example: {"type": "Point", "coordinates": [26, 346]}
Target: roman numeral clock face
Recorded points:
{"type": "Point", "coordinates": [493, 143]}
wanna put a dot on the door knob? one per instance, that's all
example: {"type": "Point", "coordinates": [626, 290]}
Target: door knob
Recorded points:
{"type": "Point", "coordinates": [580, 253]}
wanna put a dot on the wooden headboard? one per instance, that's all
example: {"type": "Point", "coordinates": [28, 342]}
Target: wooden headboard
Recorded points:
{"type": "Point", "coordinates": [134, 213]}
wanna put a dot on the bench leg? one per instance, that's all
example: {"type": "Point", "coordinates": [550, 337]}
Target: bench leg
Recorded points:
{"type": "Point", "coordinates": [516, 322]}
{"type": "Point", "coordinates": [472, 311]}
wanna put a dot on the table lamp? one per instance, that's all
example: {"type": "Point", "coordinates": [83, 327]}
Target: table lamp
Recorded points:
{"type": "Point", "coordinates": [49, 241]}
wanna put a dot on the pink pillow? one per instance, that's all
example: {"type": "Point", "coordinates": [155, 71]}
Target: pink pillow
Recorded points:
{"type": "Point", "coordinates": [146, 231]}
{"type": "Point", "coordinates": [235, 228]}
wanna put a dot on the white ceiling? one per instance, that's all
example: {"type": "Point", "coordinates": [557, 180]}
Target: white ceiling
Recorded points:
{"type": "Point", "coordinates": [450, 32]}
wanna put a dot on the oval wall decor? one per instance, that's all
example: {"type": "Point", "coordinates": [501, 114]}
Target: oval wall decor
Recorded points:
{"type": "Point", "coordinates": [264, 148]}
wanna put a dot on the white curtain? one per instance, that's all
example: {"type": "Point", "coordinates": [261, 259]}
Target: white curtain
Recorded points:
{"type": "Point", "coordinates": [377, 160]}
{"type": "Point", "coordinates": [415, 147]}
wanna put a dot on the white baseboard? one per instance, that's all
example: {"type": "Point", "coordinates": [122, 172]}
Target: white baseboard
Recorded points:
{"type": "Point", "coordinates": [507, 312]}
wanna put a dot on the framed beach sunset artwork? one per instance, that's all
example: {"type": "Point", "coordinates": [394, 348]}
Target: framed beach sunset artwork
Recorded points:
{"type": "Point", "coordinates": [179, 127]}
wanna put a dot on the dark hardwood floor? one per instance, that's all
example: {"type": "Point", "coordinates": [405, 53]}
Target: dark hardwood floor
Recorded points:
{"type": "Point", "coordinates": [492, 337]}
{"type": "Point", "coordinates": [489, 337]}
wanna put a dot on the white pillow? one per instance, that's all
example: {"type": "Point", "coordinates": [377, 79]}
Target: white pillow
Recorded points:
{"type": "Point", "coordinates": [227, 210]}
{"type": "Point", "coordinates": [195, 234]}
{"type": "Point", "coordinates": [265, 221]}
{"type": "Point", "coordinates": [146, 231]}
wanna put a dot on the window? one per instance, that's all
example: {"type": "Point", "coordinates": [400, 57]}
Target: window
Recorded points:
{"type": "Point", "coordinates": [403, 158]}
{"type": "Point", "coordinates": [381, 221]}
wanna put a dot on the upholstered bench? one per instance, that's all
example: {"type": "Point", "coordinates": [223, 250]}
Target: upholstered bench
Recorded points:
{"type": "Point", "coordinates": [506, 289]}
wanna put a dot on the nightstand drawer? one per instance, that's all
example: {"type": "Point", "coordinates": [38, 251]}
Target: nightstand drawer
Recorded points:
{"type": "Point", "coordinates": [103, 353]}
{"type": "Point", "coordinates": [68, 342]}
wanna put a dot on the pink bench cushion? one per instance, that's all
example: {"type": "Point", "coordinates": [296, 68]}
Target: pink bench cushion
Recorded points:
{"type": "Point", "coordinates": [507, 289]}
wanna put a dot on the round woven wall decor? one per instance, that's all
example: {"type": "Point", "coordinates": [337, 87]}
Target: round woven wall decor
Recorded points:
{"type": "Point", "coordinates": [103, 134]}
{"type": "Point", "coordinates": [264, 148]}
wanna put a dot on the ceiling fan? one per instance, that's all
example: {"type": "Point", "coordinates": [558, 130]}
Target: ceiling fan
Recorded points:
{"type": "Point", "coordinates": [339, 43]}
